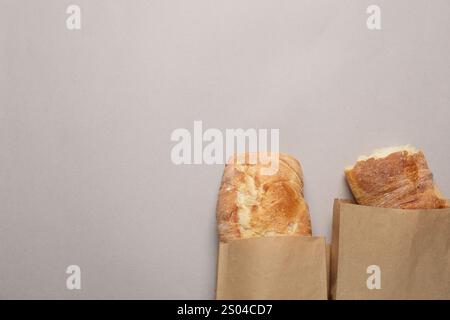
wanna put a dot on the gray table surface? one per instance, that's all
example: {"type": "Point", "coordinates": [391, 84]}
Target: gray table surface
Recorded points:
{"type": "Point", "coordinates": [86, 117]}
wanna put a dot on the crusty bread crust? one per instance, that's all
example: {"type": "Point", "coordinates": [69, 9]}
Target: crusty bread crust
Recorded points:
{"type": "Point", "coordinates": [394, 178]}
{"type": "Point", "coordinates": [252, 204]}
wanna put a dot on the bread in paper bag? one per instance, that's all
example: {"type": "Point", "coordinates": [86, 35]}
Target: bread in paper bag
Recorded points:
{"type": "Point", "coordinates": [396, 177]}
{"type": "Point", "coordinates": [253, 203]}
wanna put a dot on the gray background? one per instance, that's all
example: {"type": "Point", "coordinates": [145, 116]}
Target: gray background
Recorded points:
{"type": "Point", "coordinates": [86, 118]}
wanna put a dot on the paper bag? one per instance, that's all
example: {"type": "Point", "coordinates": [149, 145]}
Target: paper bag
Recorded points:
{"type": "Point", "coordinates": [328, 264]}
{"type": "Point", "coordinates": [380, 253]}
{"type": "Point", "coordinates": [284, 267]}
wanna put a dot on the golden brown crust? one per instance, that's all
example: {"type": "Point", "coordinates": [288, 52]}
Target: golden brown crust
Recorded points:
{"type": "Point", "coordinates": [401, 179]}
{"type": "Point", "coordinates": [253, 204]}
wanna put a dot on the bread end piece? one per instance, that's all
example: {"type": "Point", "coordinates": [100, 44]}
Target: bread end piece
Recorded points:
{"type": "Point", "coordinates": [394, 177]}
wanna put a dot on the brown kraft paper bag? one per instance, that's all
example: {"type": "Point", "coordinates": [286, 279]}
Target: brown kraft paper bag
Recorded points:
{"type": "Point", "coordinates": [380, 253]}
{"type": "Point", "coordinates": [284, 267]}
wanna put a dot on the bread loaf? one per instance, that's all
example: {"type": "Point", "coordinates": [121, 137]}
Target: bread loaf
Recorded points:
{"type": "Point", "coordinates": [252, 204]}
{"type": "Point", "coordinates": [396, 177]}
